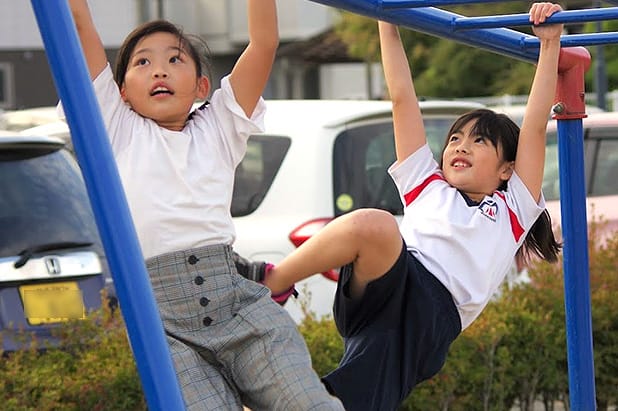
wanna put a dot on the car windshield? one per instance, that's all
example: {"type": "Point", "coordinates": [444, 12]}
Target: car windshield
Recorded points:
{"type": "Point", "coordinates": [43, 201]}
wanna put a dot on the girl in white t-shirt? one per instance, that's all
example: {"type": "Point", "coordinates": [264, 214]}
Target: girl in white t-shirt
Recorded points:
{"type": "Point", "coordinates": [406, 291]}
{"type": "Point", "coordinates": [231, 344]}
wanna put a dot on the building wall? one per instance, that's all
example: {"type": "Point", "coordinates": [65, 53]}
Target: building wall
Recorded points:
{"type": "Point", "coordinates": [25, 78]}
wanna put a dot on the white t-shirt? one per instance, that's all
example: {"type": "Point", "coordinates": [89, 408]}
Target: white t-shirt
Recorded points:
{"type": "Point", "coordinates": [179, 183]}
{"type": "Point", "coordinates": [469, 248]}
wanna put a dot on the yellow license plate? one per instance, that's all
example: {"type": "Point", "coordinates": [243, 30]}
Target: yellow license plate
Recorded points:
{"type": "Point", "coordinates": [52, 303]}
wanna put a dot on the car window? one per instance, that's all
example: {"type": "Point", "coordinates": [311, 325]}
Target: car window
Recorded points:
{"type": "Point", "coordinates": [605, 175]}
{"type": "Point", "coordinates": [551, 175]}
{"type": "Point", "coordinates": [601, 168]}
{"type": "Point", "coordinates": [43, 200]}
{"type": "Point", "coordinates": [436, 129]}
{"type": "Point", "coordinates": [362, 156]}
{"type": "Point", "coordinates": [256, 172]}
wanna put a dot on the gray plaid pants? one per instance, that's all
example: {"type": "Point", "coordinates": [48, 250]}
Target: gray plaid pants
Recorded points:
{"type": "Point", "coordinates": [230, 343]}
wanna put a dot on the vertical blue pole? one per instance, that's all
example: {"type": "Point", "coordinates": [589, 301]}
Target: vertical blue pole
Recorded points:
{"type": "Point", "coordinates": [576, 269]}
{"type": "Point", "coordinates": [109, 205]}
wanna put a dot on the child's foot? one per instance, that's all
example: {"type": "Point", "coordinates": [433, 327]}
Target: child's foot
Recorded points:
{"type": "Point", "coordinates": [257, 271]}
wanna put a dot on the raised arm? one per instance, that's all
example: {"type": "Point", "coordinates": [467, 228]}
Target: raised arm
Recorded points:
{"type": "Point", "coordinates": [407, 120]}
{"type": "Point", "coordinates": [250, 73]}
{"type": "Point", "coordinates": [530, 160]}
{"type": "Point", "coordinates": [89, 38]}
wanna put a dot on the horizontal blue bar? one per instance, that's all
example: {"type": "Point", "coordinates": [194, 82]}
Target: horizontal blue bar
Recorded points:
{"type": "Point", "coordinates": [589, 39]}
{"type": "Point", "coordinates": [513, 20]}
{"type": "Point", "coordinates": [573, 40]}
{"type": "Point", "coordinates": [403, 4]}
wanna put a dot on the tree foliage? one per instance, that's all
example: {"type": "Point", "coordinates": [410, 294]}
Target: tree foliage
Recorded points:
{"type": "Point", "coordinates": [444, 68]}
{"type": "Point", "coordinates": [610, 56]}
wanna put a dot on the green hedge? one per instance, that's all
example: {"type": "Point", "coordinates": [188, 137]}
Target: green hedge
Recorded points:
{"type": "Point", "coordinates": [95, 371]}
{"type": "Point", "coordinates": [513, 355]}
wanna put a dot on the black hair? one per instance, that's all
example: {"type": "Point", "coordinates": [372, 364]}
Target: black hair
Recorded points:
{"type": "Point", "coordinates": [504, 135]}
{"type": "Point", "coordinates": [195, 47]}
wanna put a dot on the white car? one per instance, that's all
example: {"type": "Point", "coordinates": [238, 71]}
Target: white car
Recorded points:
{"type": "Point", "coordinates": [317, 160]}
{"type": "Point", "coordinates": [17, 120]}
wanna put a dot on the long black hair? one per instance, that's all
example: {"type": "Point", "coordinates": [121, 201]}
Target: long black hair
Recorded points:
{"type": "Point", "coordinates": [504, 135]}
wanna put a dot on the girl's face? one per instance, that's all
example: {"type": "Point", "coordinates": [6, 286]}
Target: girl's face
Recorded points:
{"type": "Point", "coordinates": [472, 164]}
{"type": "Point", "coordinates": [161, 81]}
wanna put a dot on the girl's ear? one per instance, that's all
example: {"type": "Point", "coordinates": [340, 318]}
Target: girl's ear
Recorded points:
{"type": "Point", "coordinates": [123, 93]}
{"type": "Point", "coordinates": [203, 87]}
{"type": "Point", "coordinates": [506, 170]}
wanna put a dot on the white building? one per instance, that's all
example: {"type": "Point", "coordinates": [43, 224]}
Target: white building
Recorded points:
{"type": "Point", "coordinates": [303, 68]}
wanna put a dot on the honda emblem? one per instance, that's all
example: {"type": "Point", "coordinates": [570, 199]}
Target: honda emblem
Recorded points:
{"type": "Point", "coordinates": [53, 265]}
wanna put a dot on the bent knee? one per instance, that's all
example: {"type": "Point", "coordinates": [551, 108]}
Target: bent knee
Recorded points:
{"type": "Point", "coordinates": [375, 224]}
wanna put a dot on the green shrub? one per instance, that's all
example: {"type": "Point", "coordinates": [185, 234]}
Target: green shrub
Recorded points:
{"type": "Point", "coordinates": [324, 342]}
{"type": "Point", "coordinates": [512, 355]}
{"type": "Point", "coordinates": [95, 370]}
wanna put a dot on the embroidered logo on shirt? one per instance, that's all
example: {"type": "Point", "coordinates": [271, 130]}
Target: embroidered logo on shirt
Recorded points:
{"type": "Point", "coordinates": [489, 209]}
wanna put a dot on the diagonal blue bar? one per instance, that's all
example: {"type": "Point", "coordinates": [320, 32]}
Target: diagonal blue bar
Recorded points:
{"type": "Point", "coordinates": [438, 22]}
{"type": "Point", "coordinates": [402, 4]}
{"type": "Point", "coordinates": [514, 20]}
{"type": "Point", "coordinates": [68, 66]}
{"type": "Point", "coordinates": [499, 40]}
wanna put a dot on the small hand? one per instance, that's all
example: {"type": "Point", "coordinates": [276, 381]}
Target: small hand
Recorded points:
{"type": "Point", "coordinates": [539, 12]}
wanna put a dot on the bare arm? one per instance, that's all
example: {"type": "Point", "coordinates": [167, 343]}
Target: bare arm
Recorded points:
{"type": "Point", "coordinates": [250, 73]}
{"type": "Point", "coordinates": [407, 120]}
{"type": "Point", "coordinates": [530, 160]}
{"type": "Point", "coordinates": [89, 38]}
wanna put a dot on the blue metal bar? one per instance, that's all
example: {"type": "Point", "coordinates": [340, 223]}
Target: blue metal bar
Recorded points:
{"type": "Point", "coordinates": [441, 23]}
{"type": "Point", "coordinates": [572, 188]}
{"type": "Point", "coordinates": [572, 40]}
{"type": "Point", "coordinates": [588, 39]}
{"type": "Point", "coordinates": [576, 274]}
{"type": "Point", "coordinates": [438, 22]}
{"type": "Point", "coordinates": [93, 151]}
{"type": "Point", "coordinates": [402, 4]}
{"type": "Point", "coordinates": [513, 20]}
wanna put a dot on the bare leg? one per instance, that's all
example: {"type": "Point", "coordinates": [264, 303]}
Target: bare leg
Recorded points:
{"type": "Point", "coordinates": [369, 238]}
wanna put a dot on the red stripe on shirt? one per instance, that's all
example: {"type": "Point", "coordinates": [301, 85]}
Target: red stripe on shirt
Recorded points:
{"type": "Point", "coordinates": [516, 227]}
{"type": "Point", "coordinates": [416, 191]}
